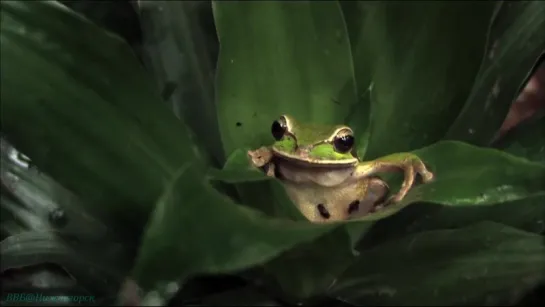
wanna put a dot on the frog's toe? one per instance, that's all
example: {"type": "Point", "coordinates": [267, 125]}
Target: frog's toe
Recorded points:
{"type": "Point", "coordinates": [427, 176]}
{"type": "Point", "coordinates": [397, 198]}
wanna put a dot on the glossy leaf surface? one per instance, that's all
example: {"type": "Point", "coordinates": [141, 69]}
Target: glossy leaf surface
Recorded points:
{"type": "Point", "coordinates": [466, 175]}
{"type": "Point", "coordinates": [421, 58]}
{"type": "Point", "coordinates": [280, 57]}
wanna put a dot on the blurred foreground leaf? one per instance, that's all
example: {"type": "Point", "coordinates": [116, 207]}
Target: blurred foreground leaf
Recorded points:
{"type": "Point", "coordinates": [526, 214]}
{"type": "Point", "coordinates": [34, 201]}
{"type": "Point", "coordinates": [485, 264]}
{"type": "Point", "coordinates": [181, 53]}
{"type": "Point", "coordinates": [197, 230]}
{"type": "Point", "coordinates": [95, 265]}
{"type": "Point", "coordinates": [77, 102]}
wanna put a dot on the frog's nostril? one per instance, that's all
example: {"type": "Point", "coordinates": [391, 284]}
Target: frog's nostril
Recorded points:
{"type": "Point", "coordinates": [323, 211]}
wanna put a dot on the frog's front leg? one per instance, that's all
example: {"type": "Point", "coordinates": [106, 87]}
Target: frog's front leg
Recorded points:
{"type": "Point", "coordinates": [262, 158]}
{"type": "Point", "coordinates": [409, 163]}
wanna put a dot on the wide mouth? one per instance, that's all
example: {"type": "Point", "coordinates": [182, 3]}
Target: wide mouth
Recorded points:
{"type": "Point", "coordinates": [310, 162]}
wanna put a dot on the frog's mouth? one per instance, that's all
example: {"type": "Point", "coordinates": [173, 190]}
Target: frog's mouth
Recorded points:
{"type": "Point", "coordinates": [302, 158]}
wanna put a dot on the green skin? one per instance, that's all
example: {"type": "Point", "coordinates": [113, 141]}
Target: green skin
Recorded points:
{"type": "Point", "coordinates": [311, 146]}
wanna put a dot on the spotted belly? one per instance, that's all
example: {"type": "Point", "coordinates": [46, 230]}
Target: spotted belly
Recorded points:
{"type": "Point", "coordinates": [338, 203]}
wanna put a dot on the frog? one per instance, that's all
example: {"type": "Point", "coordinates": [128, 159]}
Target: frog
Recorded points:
{"type": "Point", "coordinates": [322, 174]}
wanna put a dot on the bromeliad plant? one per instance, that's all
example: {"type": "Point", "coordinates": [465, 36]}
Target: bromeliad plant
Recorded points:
{"type": "Point", "coordinates": [432, 78]}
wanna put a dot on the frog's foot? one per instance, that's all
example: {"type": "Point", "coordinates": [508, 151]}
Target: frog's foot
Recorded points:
{"type": "Point", "coordinates": [411, 168]}
{"type": "Point", "coordinates": [260, 157]}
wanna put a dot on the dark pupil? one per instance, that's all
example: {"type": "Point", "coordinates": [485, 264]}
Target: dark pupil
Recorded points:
{"type": "Point", "coordinates": [278, 130]}
{"type": "Point", "coordinates": [344, 143]}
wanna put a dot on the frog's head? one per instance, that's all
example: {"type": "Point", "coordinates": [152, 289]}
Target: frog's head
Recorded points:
{"type": "Point", "coordinates": [313, 144]}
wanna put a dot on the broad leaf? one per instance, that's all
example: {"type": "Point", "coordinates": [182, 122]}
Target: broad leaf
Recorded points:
{"type": "Point", "coordinates": [309, 269]}
{"type": "Point", "coordinates": [526, 140]}
{"type": "Point", "coordinates": [280, 57]}
{"type": "Point", "coordinates": [34, 201]}
{"type": "Point", "coordinates": [527, 214]}
{"type": "Point", "coordinates": [197, 230]}
{"type": "Point", "coordinates": [180, 51]}
{"type": "Point", "coordinates": [96, 265]}
{"type": "Point", "coordinates": [466, 175]}
{"type": "Point", "coordinates": [487, 263]}
{"type": "Point", "coordinates": [421, 58]}
{"type": "Point", "coordinates": [77, 102]}
{"type": "Point", "coordinates": [515, 42]}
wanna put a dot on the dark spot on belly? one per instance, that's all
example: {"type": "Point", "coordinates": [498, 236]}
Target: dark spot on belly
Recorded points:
{"type": "Point", "coordinates": [353, 207]}
{"type": "Point", "coordinates": [323, 211]}
{"type": "Point", "coordinates": [238, 124]}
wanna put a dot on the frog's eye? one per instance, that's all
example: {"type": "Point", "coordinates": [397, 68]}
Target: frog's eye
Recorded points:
{"type": "Point", "coordinates": [278, 128]}
{"type": "Point", "coordinates": [343, 143]}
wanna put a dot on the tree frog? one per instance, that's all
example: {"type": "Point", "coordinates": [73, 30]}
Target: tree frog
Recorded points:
{"type": "Point", "coordinates": [322, 174]}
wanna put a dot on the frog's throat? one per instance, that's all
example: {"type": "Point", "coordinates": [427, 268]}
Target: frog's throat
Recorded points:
{"type": "Point", "coordinates": [310, 162]}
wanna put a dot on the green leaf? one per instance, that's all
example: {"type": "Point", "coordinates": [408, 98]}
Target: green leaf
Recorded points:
{"type": "Point", "coordinates": [197, 230]}
{"type": "Point", "coordinates": [515, 42]}
{"type": "Point", "coordinates": [179, 51]}
{"type": "Point", "coordinates": [309, 269]}
{"type": "Point", "coordinates": [97, 265]}
{"type": "Point", "coordinates": [422, 59]}
{"type": "Point", "coordinates": [525, 140]}
{"type": "Point", "coordinates": [488, 263]}
{"type": "Point", "coordinates": [466, 175]}
{"type": "Point", "coordinates": [77, 102]}
{"type": "Point", "coordinates": [527, 214]}
{"type": "Point", "coordinates": [280, 57]}
{"type": "Point", "coordinates": [34, 201]}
